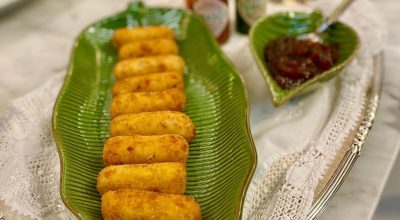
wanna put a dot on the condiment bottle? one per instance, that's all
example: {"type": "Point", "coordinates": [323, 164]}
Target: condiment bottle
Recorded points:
{"type": "Point", "coordinates": [216, 14]}
{"type": "Point", "coordinates": [247, 12]}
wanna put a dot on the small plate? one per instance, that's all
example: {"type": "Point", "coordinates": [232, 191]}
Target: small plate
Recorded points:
{"type": "Point", "coordinates": [294, 24]}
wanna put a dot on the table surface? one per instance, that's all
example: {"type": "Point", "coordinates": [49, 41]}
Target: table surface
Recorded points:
{"type": "Point", "coordinates": [36, 41]}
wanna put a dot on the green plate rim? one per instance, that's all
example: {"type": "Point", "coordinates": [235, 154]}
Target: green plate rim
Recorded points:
{"type": "Point", "coordinates": [66, 81]}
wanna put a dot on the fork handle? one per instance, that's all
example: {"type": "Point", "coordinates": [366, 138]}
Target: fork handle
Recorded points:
{"type": "Point", "coordinates": [334, 15]}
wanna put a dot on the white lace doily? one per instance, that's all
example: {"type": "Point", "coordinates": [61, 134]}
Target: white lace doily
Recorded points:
{"type": "Point", "coordinates": [287, 175]}
{"type": "Point", "coordinates": [291, 159]}
{"type": "Point", "coordinates": [284, 187]}
{"type": "Point", "coordinates": [29, 162]}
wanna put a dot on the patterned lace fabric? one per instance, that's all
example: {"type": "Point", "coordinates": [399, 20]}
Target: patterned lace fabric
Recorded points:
{"type": "Point", "coordinates": [284, 184]}
{"type": "Point", "coordinates": [29, 163]}
{"type": "Point", "coordinates": [284, 188]}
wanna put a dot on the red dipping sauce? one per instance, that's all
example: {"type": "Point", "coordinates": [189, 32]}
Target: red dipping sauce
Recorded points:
{"type": "Point", "coordinates": [292, 61]}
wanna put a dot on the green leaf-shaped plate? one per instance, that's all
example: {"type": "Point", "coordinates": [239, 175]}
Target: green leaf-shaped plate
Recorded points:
{"type": "Point", "coordinates": [293, 24]}
{"type": "Point", "coordinates": [222, 157]}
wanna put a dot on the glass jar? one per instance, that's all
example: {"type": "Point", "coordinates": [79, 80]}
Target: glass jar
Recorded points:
{"type": "Point", "coordinates": [216, 15]}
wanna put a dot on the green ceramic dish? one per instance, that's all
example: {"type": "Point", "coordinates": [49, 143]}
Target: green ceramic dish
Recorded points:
{"type": "Point", "coordinates": [222, 157]}
{"type": "Point", "coordinates": [293, 24]}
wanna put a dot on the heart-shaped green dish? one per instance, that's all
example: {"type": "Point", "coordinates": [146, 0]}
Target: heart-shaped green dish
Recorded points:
{"type": "Point", "coordinates": [294, 24]}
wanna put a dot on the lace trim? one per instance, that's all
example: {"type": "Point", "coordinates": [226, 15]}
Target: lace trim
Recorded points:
{"type": "Point", "coordinates": [29, 162]}
{"type": "Point", "coordinates": [285, 188]}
